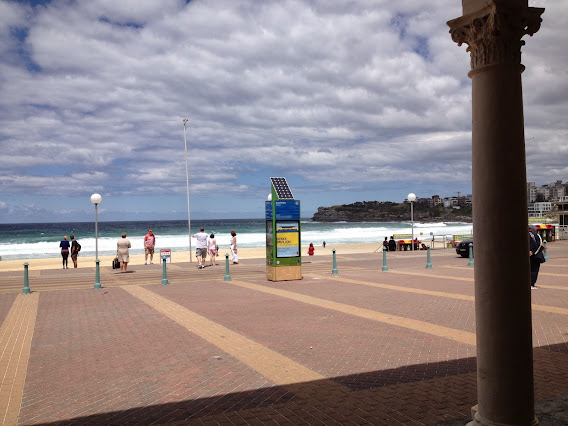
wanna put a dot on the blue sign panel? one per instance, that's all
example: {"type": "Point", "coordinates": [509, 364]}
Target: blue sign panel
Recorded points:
{"type": "Point", "coordinates": [287, 209]}
{"type": "Point", "coordinates": [268, 210]}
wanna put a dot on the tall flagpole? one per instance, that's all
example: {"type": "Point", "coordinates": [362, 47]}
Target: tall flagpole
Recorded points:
{"type": "Point", "coordinates": [187, 186]}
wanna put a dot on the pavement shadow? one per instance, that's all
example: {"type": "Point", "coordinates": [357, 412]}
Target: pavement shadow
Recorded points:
{"type": "Point", "coordinates": [188, 410]}
{"type": "Point", "coordinates": [317, 392]}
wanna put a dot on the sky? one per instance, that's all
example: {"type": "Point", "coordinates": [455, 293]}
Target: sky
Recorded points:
{"type": "Point", "coordinates": [349, 100]}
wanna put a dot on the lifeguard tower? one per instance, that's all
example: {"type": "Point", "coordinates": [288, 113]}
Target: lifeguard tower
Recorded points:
{"type": "Point", "coordinates": [283, 233]}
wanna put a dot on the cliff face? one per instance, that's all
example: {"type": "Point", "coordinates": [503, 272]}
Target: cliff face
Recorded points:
{"type": "Point", "coordinates": [374, 211]}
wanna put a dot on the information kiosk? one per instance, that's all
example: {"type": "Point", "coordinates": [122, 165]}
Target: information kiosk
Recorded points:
{"type": "Point", "coordinates": [283, 233]}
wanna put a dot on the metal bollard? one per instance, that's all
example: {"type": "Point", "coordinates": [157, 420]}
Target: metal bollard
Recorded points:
{"type": "Point", "coordinates": [334, 270]}
{"type": "Point", "coordinates": [227, 275]}
{"type": "Point", "coordinates": [385, 267]}
{"type": "Point", "coordinates": [164, 272]}
{"type": "Point", "coordinates": [428, 261]}
{"type": "Point", "coordinates": [26, 289]}
{"type": "Point", "coordinates": [544, 251]}
{"type": "Point", "coordinates": [470, 263]}
{"type": "Point", "coordinates": [97, 276]}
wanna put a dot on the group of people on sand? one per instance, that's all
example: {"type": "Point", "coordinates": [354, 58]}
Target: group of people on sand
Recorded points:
{"type": "Point", "coordinates": [207, 245]}
{"type": "Point", "coordinates": [123, 253]}
{"type": "Point", "coordinates": [69, 248]}
{"type": "Point", "coordinates": [122, 250]}
{"type": "Point", "coordinates": [389, 245]}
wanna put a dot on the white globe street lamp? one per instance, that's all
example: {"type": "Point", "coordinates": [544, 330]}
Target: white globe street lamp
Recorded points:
{"type": "Point", "coordinates": [96, 199]}
{"type": "Point", "coordinates": [412, 198]}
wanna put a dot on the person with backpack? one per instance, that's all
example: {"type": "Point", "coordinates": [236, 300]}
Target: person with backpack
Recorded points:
{"type": "Point", "coordinates": [75, 249]}
{"type": "Point", "coordinates": [392, 244]}
{"type": "Point", "coordinates": [536, 254]}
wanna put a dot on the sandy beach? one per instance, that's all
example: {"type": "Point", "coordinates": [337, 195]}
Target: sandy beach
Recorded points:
{"type": "Point", "coordinates": [181, 256]}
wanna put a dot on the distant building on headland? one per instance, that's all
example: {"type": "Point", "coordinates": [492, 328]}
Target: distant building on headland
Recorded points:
{"type": "Point", "coordinates": [545, 199]}
{"type": "Point", "coordinates": [454, 202]}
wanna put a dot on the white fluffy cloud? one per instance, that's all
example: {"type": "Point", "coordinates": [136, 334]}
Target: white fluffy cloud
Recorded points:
{"type": "Point", "coordinates": [352, 96]}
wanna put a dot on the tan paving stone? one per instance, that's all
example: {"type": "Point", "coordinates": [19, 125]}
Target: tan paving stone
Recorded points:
{"type": "Point", "coordinates": [272, 365]}
{"type": "Point", "coordinates": [16, 335]}
{"type": "Point", "coordinates": [428, 328]}
{"type": "Point", "coordinates": [383, 400]}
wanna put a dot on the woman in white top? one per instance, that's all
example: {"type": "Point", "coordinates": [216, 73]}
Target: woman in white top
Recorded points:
{"type": "Point", "coordinates": [212, 248]}
{"type": "Point", "coordinates": [234, 247]}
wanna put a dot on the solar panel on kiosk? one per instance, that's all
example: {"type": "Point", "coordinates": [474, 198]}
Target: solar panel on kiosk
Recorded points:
{"type": "Point", "coordinates": [282, 189]}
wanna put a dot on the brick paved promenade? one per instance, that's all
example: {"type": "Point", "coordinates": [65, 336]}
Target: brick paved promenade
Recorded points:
{"type": "Point", "coordinates": [360, 347]}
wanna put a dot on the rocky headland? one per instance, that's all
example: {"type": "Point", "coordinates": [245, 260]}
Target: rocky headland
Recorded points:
{"type": "Point", "coordinates": [388, 211]}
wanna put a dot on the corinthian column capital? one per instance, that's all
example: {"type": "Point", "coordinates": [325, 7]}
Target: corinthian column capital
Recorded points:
{"type": "Point", "coordinates": [493, 34]}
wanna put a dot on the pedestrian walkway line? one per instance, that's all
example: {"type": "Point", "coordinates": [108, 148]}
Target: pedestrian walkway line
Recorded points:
{"type": "Point", "coordinates": [465, 268]}
{"type": "Point", "coordinates": [399, 288]}
{"type": "Point", "coordinates": [553, 287]}
{"type": "Point", "coordinates": [542, 308]}
{"type": "Point", "coordinates": [272, 365]}
{"type": "Point", "coordinates": [422, 274]}
{"type": "Point", "coordinates": [552, 274]}
{"type": "Point", "coordinates": [16, 335]}
{"type": "Point", "coordinates": [409, 323]}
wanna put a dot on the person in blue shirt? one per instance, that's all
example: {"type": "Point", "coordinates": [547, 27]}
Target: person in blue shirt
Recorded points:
{"type": "Point", "coordinates": [65, 251]}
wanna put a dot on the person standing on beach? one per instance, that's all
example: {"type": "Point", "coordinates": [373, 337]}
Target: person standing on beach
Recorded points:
{"type": "Point", "coordinates": [323, 244]}
{"type": "Point", "coordinates": [75, 248]}
{"type": "Point", "coordinates": [201, 248]}
{"type": "Point", "coordinates": [235, 258]}
{"type": "Point", "coordinates": [311, 249]}
{"type": "Point", "coordinates": [149, 243]}
{"type": "Point", "coordinates": [212, 249]}
{"type": "Point", "coordinates": [122, 252]}
{"type": "Point", "coordinates": [536, 255]}
{"type": "Point", "coordinates": [385, 244]}
{"type": "Point", "coordinates": [65, 251]}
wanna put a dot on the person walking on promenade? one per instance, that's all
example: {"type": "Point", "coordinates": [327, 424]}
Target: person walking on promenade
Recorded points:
{"type": "Point", "coordinates": [234, 247]}
{"type": "Point", "coordinates": [75, 248]}
{"type": "Point", "coordinates": [536, 255]}
{"type": "Point", "coordinates": [122, 252]}
{"type": "Point", "coordinates": [311, 249]}
{"type": "Point", "coordinates": [201, 248]}
{"type": "Point", "coordinates": [65, 251]}
{"type": "Point", "coordinates": [149, 243]}
{"type": "Point", "coordinates": [212, 249]}
{"type": "Point", "coordinates": [392, 244]}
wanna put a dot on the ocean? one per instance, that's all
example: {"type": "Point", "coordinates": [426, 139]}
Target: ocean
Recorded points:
{"type": "Point", "coordinates": [41, 240]}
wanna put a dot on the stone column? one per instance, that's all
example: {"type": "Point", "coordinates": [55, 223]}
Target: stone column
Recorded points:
{"type": "Point", "coordinates": [493, 31]}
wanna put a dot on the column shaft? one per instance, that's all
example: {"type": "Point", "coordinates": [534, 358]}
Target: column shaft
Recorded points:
{"type": "Point", "coordinates": [493, 32]}
{"type": "Point", "coordinates": [502, 285]}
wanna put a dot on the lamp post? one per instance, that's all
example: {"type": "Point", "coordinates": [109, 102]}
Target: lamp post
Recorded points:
{"type": "Point", "coordinates": [96, 199]}
{"type": "Point", "coordinates": [187, 187]}
{"type": "Point", "coordinates": [412, 197]}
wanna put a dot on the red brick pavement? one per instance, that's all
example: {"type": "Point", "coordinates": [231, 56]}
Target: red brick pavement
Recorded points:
{"type": "Point", "coordinates": [106, 357]}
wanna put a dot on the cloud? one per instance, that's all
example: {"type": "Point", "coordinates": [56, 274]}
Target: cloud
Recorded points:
{"type": "Point", "coordinates": [357, 95]}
